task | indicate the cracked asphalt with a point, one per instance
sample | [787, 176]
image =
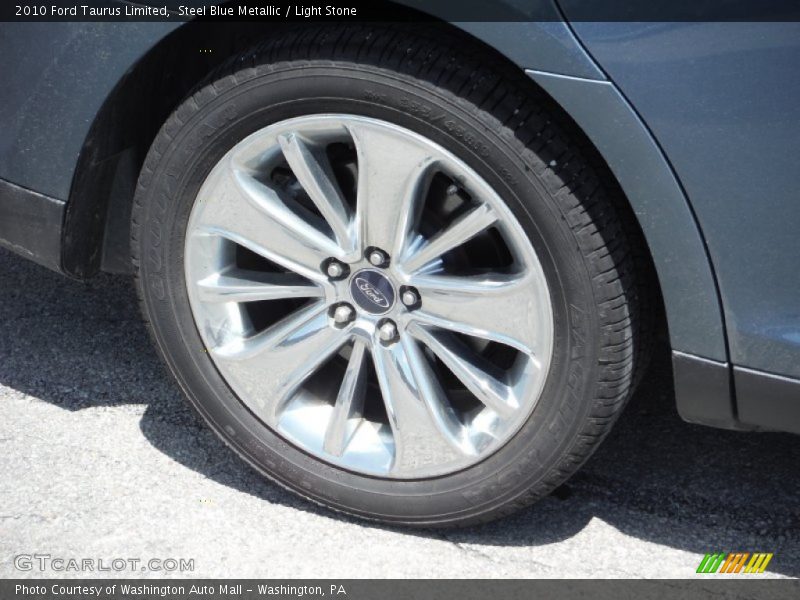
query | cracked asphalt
[101, 458]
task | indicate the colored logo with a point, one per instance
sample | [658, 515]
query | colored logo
[372, 291]
[735, 562]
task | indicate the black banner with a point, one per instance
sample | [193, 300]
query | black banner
[400, 10]
[256, 589]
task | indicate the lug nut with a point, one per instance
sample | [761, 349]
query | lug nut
[343, 314]
[410, 298]
[335, 269]
[377, 258]
[387, 332]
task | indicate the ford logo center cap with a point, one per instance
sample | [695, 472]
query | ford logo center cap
[372, 291]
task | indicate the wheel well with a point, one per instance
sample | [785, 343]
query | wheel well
[98, 211]
[97, 224]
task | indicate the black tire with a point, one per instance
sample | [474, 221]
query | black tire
[495, 120]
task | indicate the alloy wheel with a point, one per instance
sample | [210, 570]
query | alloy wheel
[368, 296]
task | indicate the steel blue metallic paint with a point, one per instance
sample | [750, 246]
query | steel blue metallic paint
[53, 89]
[549, 46]
[723, 101]
[690, 297]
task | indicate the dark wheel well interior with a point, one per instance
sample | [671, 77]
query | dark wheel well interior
[97, 221]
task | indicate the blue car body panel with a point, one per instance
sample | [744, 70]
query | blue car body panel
[53, 90]
[687, 282]
[723, 101]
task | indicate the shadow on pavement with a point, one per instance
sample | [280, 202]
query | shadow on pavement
[79, 345]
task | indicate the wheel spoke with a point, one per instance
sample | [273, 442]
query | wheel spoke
[253, 286]
[314, 174]
[500, 308]
[425, 431]
[253, 215]
[272, 364]
[349, 402]
[477, 378]
[459, 232]
[393, 176]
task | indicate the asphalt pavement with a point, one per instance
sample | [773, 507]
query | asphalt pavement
[101, 458]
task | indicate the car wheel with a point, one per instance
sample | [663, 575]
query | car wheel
[383, 272]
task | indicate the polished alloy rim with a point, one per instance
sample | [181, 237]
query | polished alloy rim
[368, 296]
